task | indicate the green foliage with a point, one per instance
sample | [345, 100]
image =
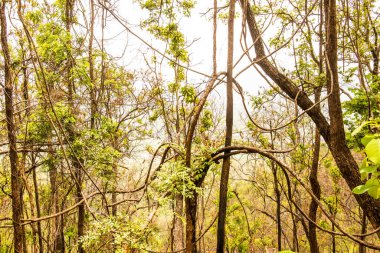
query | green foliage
[100, 158]
[125, 233]
[236, 223]
[188, 92]
[176, 178]
[53, 41]
[370, 167]
[35, 16]
[372, 150]
[39, 129]
[332, 204]
[206, 120]
[335, 174]
[162, 23]
[264, 241]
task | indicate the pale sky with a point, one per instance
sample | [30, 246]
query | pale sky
[198, 27]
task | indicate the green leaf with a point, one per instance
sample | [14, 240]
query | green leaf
[374, 192]
[366, 139]
[373, 150]
[369, 169]
[360, 189]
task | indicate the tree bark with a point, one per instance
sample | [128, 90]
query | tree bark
[228, 139]
[177, 223]
[93, 105]
[362, 248]
[278, 206]
[315, 187]
[16, 179]
[191, 214]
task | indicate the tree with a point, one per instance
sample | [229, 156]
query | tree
[333, 132]
[16, 181]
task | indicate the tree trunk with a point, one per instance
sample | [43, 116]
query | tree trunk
[72, 134]
[16, 179]
[362, 248]
[228, 139]
[278, 206]
[177, 223]
[191, 214]
[313, 207]
[38, 208]
[91, 68]
[315, 187]
[58, 236]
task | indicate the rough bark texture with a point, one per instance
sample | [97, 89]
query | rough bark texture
[191, 214]
[228, 139]
[16, 180]
[178, 235]
[334, 134]
[313, 207]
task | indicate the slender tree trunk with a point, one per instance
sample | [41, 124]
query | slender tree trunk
[337, 134]
[333, 241]
[295, 232]
[114, 200]
[91, 67]
[72, 134]
[58, 236]
[228, 139]
[16, 179]
[38, 208]
[278, 206]
[362, 248]
[313, 178]
[25, 91]
[313, 207]
[315, 187]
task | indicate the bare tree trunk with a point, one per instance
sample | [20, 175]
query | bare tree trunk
[38, 208]
[91, 67]
[278, 206]
[228, 139]
[191, 213]
[313, 207]
[178, 226]
[333, 241]
[362, 248]
[16, 179]
[315, 187]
